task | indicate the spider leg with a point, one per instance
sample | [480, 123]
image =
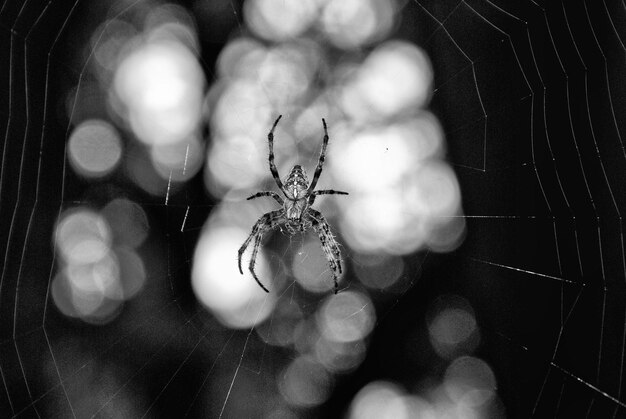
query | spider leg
[329, 244]
[274, 195]
[320, 162]
[267, 222]
[329, 192]
[324, 192]
[273, 169]
[255, 250]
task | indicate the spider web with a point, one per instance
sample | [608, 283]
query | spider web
[531, 100]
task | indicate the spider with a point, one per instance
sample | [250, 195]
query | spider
[296, 213]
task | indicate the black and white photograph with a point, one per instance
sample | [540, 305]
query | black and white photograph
[301, 209]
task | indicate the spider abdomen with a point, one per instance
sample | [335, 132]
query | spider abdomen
[296, 184]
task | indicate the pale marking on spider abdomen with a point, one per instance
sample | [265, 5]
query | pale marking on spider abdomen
[296, 183]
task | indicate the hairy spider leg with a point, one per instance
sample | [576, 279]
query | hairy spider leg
[329, 192]
[273, 194]
[273, 169]
[329, 244]
[324, 192]
[267, 222]
[325, 228]
[255, 250]
[320, 162]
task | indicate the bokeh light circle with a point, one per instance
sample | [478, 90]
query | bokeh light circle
[94, 148]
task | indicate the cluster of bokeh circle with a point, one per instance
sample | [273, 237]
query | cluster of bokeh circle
[307, 60]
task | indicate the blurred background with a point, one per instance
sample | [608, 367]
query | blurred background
[483, 241]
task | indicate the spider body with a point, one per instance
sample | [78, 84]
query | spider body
[296, 184]
[296, 213]
[296, 204]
